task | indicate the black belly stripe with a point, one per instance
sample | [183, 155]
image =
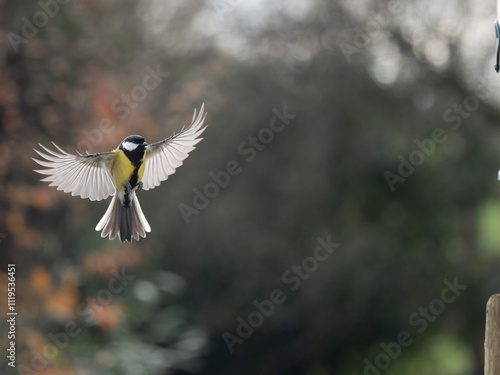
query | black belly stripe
[134, 177]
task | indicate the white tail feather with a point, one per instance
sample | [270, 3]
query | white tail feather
[127, 223]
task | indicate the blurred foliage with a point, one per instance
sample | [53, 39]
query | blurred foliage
[323, 175]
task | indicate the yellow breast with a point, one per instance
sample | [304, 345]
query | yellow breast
[122, 169]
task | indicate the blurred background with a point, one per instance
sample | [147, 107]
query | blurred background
[373, 125]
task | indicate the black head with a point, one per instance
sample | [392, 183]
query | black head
[133, 146]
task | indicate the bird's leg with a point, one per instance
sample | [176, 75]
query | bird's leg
[139, 188]
[128, 187]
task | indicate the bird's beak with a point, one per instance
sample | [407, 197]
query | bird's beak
[144, 144]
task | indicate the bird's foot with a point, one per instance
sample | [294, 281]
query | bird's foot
[128, 187]
[139, 188]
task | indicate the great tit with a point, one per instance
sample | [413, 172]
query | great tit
[123, 172]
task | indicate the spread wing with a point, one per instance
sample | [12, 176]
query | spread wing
[162, 158]
[83, 175]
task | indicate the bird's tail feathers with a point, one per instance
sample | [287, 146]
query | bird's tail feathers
[127, 223]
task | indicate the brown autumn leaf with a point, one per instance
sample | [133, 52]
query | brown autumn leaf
[106, 316]
[40, 280]
[103, 263]
[41, 199]
[22, 235]
[64, 301]
[37, 197]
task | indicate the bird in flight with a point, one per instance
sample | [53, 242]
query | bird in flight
[132, 167]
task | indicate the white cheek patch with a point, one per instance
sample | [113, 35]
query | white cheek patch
[129, 146]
